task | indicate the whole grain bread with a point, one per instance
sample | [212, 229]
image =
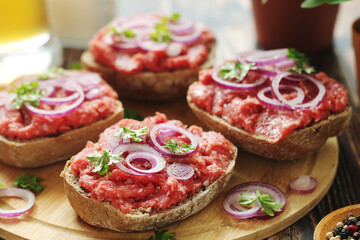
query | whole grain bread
[295, 145]
[46, 150]
[103, 214]
[152, 86]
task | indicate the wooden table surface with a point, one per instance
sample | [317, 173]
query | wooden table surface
[232, 38]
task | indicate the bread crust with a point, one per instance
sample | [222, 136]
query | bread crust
[103, 214]
[293, 146]
[42, 151]
[152, 86]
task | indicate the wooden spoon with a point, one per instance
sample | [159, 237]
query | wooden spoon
[328, 223]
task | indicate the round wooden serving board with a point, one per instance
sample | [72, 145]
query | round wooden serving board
[53, 218]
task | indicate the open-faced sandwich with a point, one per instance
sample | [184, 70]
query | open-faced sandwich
[143, 175]
[150, 57]
[50, 117]
[271, 103]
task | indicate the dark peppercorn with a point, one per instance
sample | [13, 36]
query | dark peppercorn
[344, 233]
[336, 231]
[356, 236]
[358, 218]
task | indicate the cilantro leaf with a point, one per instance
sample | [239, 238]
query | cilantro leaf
[162, 32]
[268, 204]
[103, 161]
[135, 135]
[128, 113]
[27, 93]
[300, 62]
[51, 73]
[235, 70]
[163, 235]
[117, 30]
[175, 148]
[30, 182]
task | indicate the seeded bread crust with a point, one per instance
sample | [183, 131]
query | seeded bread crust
[46, 150]
[294, 146]
[103, 214]
[152, 86]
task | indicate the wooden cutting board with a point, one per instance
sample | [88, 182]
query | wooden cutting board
[53, 218]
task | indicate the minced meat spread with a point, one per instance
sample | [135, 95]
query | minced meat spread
[138, 60]
[243, 110]
[153, 191]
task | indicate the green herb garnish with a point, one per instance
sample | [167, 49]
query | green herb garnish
[231, 70]
[175, 148]
[135, 135]
[30, 182]
[128, 113]
[174, 17]
[119, 31]
[268, 204]
[163, 235]
[75, 65]
[102, 161]
[1, 185]
[51, 73]
[27, 93]
[300, 62]
[162, 32]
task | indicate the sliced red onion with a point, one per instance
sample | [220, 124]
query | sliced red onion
[145, 42]
[181, 26]
[167, 152]
[62, 111]
[274, 103]
[158, 163]
[93, 94]
[268, 57]
[180, 171]
[89, 79]
[128, 44]
[111, 143]
[188, 39]
[122, 167]
[311, 104]
[284, 65]
[60, 100]
[303, 184]
[234, 194]
[234, 85]
[234, 209]
[240, 57]
[27, 195]
[174, 49]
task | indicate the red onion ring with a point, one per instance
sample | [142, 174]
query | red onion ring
[303, 184]
[145, 42]
[62, 111]
[180, 171]
[61, 100]
[236, 86]
[25, 194]
[233, 195]
[274, 103]
[181, 26]
[88, 79]
[268, 57]
[158, 163]
[167, 152]
[188, 39]
[312, 104]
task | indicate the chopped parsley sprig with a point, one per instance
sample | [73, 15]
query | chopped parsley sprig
[231, 70]
[51, 73]
[27, 93]
[163, 235]
[102, 161]
[175, 148]
[30, 182]
[162, 33]
[268, 204]
[135, 135]
[119, 31]
[300, 62]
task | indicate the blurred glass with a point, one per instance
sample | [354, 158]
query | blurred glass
[26, 44]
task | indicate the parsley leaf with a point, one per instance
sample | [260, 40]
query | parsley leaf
[162, 32]
[268, 204]
[300, 61]
[163, 235]
[128, 113]
[135, 135]
[30, 182]
[120, 31]
[235, 70]
[27, 93]
[51, 73]
[174, 17]
[175, 148]
[103, 161]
